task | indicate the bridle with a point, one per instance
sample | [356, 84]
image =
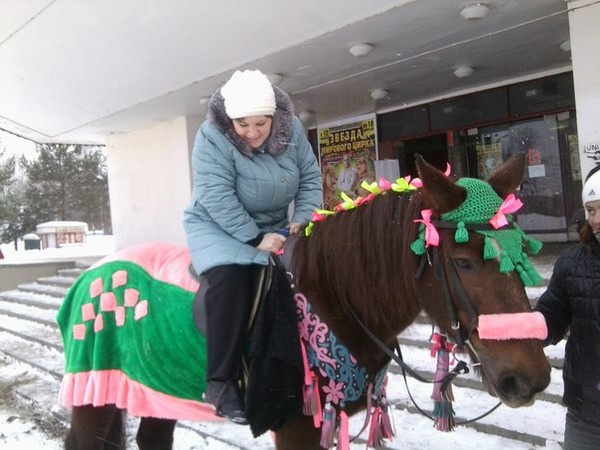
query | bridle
[447, 274]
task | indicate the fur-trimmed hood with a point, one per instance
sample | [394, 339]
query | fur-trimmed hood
[281, 128]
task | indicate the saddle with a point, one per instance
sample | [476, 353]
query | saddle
[272, 361]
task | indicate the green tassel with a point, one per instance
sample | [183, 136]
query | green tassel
[506, 264]
[489, 249]
[418, 246]
[534, 276]
[462, 234]
[524, 275]
[533, 244]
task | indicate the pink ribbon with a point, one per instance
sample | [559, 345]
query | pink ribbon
[439, 342]
[508, 206]
[384, 184]
[432, 236]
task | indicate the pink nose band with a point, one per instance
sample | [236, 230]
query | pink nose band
[531, 325]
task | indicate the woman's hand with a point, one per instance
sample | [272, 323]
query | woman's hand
[294, 228]
[271, 242]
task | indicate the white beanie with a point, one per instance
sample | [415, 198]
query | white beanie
[591, 189]
[248, 93]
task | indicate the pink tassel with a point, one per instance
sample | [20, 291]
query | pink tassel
[443, 412]
[387, 429]
[375, 439]
[310, 395]
[343, 433]
[328, 428]
[381, 428]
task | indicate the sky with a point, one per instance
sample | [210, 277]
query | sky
[20, 425]
[15, 145]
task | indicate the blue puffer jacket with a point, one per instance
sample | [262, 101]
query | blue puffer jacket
[572, 302]
[239, 193]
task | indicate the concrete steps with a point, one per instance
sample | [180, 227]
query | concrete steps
[29, 337]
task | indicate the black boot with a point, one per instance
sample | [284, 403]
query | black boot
[228, 400]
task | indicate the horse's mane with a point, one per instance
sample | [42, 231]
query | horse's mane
[363, 256]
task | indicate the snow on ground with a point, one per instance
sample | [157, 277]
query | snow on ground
[97, 245]
[22, 427]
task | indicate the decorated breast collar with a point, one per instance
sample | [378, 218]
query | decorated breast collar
[324, 352]
[347, 380]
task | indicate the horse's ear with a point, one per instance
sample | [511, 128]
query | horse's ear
[440, 192]
[509, 176]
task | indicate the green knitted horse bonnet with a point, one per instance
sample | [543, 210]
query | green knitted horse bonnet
[481, 205]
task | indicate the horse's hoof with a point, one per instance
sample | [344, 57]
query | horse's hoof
[227, 398]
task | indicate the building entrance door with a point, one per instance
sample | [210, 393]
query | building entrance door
[544, 190]
[434, 150]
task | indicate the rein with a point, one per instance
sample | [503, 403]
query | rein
[396, 355]
[441, 272]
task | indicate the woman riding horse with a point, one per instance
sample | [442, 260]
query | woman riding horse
[363, 272]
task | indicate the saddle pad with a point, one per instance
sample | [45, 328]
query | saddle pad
[130, 340]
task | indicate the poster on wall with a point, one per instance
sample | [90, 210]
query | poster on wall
[574, 156]
[489, 158]
[347, 154]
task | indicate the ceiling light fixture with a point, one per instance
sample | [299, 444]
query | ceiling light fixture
[566, 46]
[474, 11]
[275, 78]
[464, 71]
[379, 94]
[360, 49]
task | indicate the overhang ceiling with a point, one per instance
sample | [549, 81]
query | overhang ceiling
[81, 70]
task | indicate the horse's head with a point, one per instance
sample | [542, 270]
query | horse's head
[479, 268]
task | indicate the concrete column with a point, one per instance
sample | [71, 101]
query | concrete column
[150, 182]
[584, 17]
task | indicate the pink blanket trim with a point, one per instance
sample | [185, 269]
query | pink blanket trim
[113, 387]
[165, 262]
[531, 325]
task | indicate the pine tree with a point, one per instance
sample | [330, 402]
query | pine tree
[64, 182]
[7, 177]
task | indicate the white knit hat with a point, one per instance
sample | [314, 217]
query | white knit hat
[248, 93]
[591, 189]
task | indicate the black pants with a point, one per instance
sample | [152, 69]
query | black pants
[581, 434]
[228, 302]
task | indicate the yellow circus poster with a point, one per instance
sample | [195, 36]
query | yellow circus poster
[347, 153]
[489, 158]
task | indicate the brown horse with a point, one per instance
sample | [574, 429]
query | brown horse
[357, 265]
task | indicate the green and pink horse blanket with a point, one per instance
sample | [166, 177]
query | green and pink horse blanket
[130, 339]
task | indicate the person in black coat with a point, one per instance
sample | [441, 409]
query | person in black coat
[571, 304]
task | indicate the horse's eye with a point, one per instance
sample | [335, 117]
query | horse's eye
[463, 263]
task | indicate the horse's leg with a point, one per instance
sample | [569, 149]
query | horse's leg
[91, 426]
[298, 433]
[155, 434]
[115, 438]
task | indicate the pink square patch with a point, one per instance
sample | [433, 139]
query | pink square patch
[120, 316]
[79, 332]
[108, 302]
[131, 297]
[87, 311]
[98, 323]
[96, 287]
[141, 310]
[119, 278]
